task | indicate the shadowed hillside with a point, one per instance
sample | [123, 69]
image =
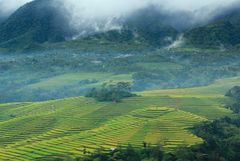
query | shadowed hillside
[38, 21]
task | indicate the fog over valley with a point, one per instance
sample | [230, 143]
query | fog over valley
[119, 80]
[102, 15]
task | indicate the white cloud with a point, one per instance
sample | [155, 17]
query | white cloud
[194, 4]
[101, 14]
[105, 7]
[97, 13]
[9, 6]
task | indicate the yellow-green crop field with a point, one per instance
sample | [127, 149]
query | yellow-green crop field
[68, 127]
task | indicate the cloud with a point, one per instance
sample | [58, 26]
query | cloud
[116, 7]
[9, 6]
[101, 15]
[191, 5]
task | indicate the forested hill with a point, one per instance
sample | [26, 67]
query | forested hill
[39, 22]
[224, 30]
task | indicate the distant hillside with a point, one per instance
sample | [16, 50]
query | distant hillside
[38, 21]
[149, 25]
[224, 30]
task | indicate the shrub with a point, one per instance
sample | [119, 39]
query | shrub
[111, 92]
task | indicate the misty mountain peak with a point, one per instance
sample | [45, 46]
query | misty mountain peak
[37, 21]
[42, 21]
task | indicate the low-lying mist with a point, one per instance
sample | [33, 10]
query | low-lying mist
[107, 14]
[7, 7]
[103, 15]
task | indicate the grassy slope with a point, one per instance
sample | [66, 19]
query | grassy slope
[68, 126]
[76, 83]
[163, 66]
[72, 78]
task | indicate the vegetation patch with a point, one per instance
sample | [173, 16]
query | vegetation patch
[112, 92]
[234, 93]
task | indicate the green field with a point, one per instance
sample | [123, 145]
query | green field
[66, 127]
[74, 78]
[163, 66]
[68, 85]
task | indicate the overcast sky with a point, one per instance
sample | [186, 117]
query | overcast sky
[102, 8]
[101, 14]
[8, 6]
[196, 4]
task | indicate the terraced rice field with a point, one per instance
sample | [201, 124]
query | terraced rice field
[75, 126]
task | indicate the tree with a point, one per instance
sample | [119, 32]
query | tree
[234, 93]
[111, 92]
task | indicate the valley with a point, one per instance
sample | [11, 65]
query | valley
[44, 75]
[119, 80]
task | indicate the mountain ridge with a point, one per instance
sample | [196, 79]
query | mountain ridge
[222, 31]
[39, 22]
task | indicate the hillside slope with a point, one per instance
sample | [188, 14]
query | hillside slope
[74, 126]
[42, 21]
[38, 21]
[149, 25]
[224, 30]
